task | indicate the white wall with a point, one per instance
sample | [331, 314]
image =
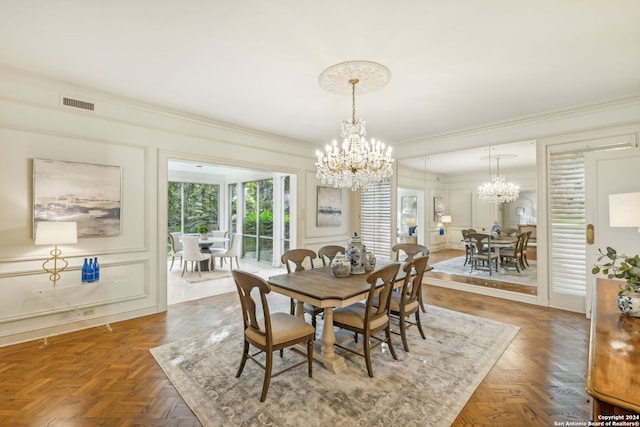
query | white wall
[140, 139]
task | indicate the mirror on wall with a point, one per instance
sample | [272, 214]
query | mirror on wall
[408, 214]
[520, 211]
[458, 174]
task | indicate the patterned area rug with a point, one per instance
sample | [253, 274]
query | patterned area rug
[426, 387]
[456, 266]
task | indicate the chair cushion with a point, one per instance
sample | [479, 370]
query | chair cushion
[284, 327]
[394, 304]
[353, 315]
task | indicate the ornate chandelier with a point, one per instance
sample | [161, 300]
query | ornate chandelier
[498, 190]
[358, 162]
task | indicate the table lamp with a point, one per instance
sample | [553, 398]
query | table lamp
[55, 233]
[446, 220]
[624, 210]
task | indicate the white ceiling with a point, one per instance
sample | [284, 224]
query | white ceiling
[255, 63]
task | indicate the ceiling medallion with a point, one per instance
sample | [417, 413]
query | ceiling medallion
[358, 162]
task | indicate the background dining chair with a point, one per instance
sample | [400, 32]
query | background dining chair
[329, 252]
[297, 259]
[513, 254]
[525, 245]
[268, 332]
[367, 320]
[219, 246]
[406, 251]
[410, 250]
[234, 251]
[191, 253]
[176, 247]
[468, 246]
[405, 303]
[483, 252]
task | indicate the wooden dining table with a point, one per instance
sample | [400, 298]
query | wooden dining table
[498, 243]
[318, 286]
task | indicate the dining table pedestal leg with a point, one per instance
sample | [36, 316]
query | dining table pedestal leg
[332, 361]
[323, 350]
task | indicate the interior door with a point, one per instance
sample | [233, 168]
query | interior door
[609, 172]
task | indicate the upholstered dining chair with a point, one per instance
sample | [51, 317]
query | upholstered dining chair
[367, 320]
[234, 251]
[219, 246]
[267, 331]
[483, 252]
[191, 253]
[410, 250]
[329, 252]
[296, 260]
[176, 247]
[513, 254]
[405, 303]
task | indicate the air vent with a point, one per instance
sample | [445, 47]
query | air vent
[78, 104]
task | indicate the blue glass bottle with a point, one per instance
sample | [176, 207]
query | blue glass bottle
[96, 269]
[85, 271]
[91, 273]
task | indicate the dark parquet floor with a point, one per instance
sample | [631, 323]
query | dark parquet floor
[97, 378]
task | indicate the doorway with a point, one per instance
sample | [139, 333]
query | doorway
[255, 204]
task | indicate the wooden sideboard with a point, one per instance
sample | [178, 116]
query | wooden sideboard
[613, 371]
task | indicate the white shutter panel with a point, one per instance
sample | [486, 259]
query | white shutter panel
[375, 221]
[567, 222]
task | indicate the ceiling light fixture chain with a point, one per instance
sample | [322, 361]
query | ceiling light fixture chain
[358, 162]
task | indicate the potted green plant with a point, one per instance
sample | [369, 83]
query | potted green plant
[204, 231]
[628, 298]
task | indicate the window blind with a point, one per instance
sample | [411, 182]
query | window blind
[375, 218]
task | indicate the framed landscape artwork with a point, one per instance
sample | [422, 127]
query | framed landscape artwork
[86, 193]
[329, 212]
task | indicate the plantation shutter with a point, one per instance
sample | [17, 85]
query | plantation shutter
[375, 220]
[567, 219]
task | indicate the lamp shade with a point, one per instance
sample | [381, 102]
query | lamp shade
[56, 233]
[446, 219]
[624, 210]
[411, 222]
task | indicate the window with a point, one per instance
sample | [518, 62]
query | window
[375, 207]
[286, 212]
[192, 205]
[233, 209]
[258, 220]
